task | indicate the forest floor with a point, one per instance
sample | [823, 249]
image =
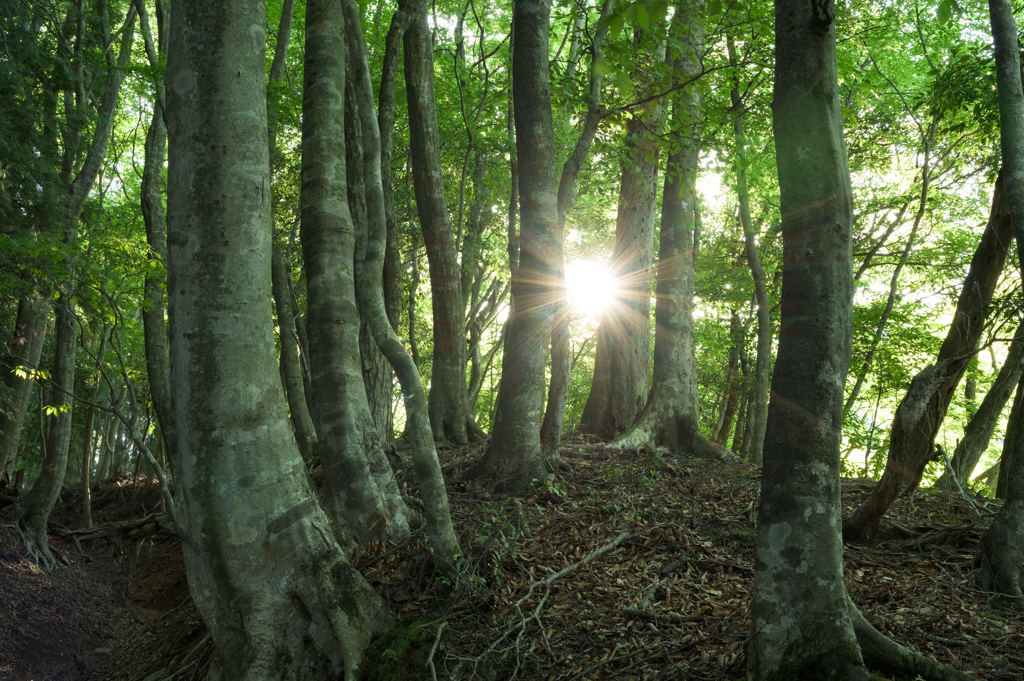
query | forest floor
[635, 566]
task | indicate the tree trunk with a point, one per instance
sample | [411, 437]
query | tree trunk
[1002, 546]
[363, 497]
[764, 327]
[447, 407]
[622, 367]
[440, 532]
[263, 565]
[923, 408]
[561, 356]
[514, 459]
[671, 416]
[32, 509]
[802, 621]
[26, 347]
[305, 433]
[983, 422]
[732, 395]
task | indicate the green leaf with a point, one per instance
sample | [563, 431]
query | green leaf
[600, 67]
[714, 8]
[945, 12]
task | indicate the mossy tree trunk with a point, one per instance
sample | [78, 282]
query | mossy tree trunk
[264, 566]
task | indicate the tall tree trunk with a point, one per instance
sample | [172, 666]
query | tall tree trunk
[732, 396]
[26, 347]
[622, 367]
[671, 416]
[154, 323]
[561, 355]
[764, 326]
[1002, 473]
[439, 529]
[85, 462]
[804, 625]
[363, 497]
[263, 565]
[514, 458]
[447, 406]
[1002, 546]
[983, 422]
[923, 408]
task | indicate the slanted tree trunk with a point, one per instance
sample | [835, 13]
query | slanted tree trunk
[514, 459]
[439, 529]
[447, 406]
[804, 625]
[622, 366]
[731, 398]
[291, 372]
[263, 564]
[25, 348]
[1002, 546]
[923, 408]
[671, 416]
[983, 422]
[362, 497]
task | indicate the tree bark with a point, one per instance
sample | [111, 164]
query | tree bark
[1002, 546]
[305, 433]
[983, 422]
[438, 527]
[923, 408]
[622, 366]
[764, 326]
[671, 415]
[802, 620]
[363, 497]
[263, 565]
[514, 459]
[447, 406]
[26, 347]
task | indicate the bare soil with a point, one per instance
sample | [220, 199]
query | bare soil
[634, 566]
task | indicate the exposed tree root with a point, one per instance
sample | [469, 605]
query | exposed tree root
[885, 655]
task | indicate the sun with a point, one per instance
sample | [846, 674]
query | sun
[590, 286]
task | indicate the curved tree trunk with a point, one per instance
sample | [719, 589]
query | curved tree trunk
[439, 529]
[514, 458]
[920, 414]
[447, 406]
[363, 497]
[305, 434]
[983, 422]
[26, 347]
[1002, 546]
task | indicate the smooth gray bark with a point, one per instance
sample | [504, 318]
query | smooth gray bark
[263, 564]
[447, 407]
[671, 417]
[514, 459]
[440, 531]
[802, 622]
[362, 496]
[291, 372]
[622, 365]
